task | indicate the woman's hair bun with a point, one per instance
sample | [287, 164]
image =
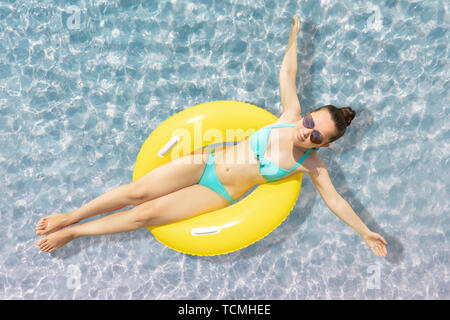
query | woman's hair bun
[349, 114]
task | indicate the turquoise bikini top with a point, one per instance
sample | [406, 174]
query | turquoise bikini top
[258, 143]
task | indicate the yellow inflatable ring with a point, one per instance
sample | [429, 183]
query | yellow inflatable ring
[245, 221]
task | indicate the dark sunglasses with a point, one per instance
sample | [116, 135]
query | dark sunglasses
[315, 137]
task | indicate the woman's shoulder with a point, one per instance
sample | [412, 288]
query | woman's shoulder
[287, 118]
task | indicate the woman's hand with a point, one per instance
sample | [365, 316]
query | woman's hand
[376, 243]
[296, 26]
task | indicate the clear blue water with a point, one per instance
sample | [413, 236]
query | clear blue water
[83, 83]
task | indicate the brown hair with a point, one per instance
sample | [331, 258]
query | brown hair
[342, 118]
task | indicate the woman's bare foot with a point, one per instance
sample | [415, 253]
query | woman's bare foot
[53, 223]
[56, 240]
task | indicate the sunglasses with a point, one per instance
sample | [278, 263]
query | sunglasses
[315, 137]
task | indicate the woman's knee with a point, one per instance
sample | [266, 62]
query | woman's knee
[138, 193]
[145, 213]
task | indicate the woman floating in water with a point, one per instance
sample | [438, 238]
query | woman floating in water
[157, 195]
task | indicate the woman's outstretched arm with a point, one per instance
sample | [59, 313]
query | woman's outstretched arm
[340, 207]
[288, 73]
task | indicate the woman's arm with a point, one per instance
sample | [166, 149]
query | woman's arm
[340, 207]
[288, 71]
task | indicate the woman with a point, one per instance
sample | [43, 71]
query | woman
[283, 148]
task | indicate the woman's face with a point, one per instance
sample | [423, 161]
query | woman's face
[323, 125]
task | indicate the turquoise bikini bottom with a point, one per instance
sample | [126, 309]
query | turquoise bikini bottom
[210, 180]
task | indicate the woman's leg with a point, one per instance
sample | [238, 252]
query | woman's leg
[171, 176]
[181, 204]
